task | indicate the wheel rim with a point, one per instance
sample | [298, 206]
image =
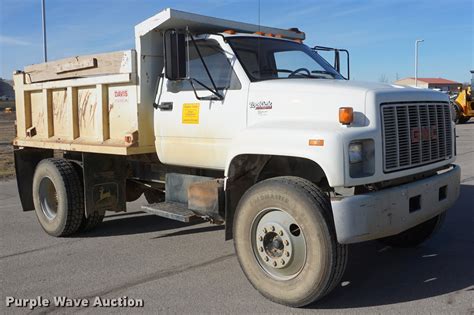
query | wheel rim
[48, 198]
[278, 244]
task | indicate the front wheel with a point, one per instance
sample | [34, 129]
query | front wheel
[285, 241]
[459, 117]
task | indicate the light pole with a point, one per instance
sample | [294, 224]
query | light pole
[43, 10]
[416, 60]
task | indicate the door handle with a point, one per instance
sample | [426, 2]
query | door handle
[164, 106]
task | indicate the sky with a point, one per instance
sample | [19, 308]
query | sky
[380, 34]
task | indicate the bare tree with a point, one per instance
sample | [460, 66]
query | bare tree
[383, 78]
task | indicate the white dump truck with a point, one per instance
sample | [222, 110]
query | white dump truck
[242, 125]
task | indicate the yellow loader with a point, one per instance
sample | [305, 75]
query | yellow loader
[463, 103]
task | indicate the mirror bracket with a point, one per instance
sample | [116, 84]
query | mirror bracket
[337, 60]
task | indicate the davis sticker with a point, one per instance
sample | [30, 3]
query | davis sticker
[190, 113]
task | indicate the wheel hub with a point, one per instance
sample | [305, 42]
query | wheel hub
[48, 198]
[274, 245]
[278, 243]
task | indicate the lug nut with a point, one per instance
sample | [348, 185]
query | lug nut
[265, 230]
[280, 233]
[287, 254]
[274, 264]
[273, 228]
[287, 243]
[282, 261]
[260, 238]
[261, 249]
[266, 258]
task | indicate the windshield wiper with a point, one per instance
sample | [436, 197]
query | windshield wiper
[323, 72]
[298, 75]
[331, 74]
[271, 71]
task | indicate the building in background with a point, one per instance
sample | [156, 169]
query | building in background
[432, 83]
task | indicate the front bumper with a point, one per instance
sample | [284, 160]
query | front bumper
[393, 210]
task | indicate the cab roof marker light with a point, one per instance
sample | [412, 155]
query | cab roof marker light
[296, 30]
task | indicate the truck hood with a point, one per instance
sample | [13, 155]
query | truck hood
[320, 99]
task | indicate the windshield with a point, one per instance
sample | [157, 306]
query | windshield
[268, 59]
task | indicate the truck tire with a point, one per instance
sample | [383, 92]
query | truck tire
[464, 120]
[416, 235]
[459, 116]
[92, 221]
[457, 112]
[285, 241]
[58, 197]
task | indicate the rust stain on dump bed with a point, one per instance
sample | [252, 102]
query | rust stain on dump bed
[59, 104]
[86, 109]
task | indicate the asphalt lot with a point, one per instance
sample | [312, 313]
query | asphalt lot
[178, 268]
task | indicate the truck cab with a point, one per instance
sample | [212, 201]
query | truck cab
[242, 125]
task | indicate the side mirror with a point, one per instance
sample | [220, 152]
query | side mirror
[175, 55]
[337, 58]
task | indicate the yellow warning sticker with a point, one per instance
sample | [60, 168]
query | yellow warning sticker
[190, 113]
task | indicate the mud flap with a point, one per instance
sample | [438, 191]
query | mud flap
[104, 182]
[26, 160]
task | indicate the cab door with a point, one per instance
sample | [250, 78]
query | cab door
[190, 130]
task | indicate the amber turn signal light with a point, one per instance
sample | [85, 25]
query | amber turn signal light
[316, 142]
[346, 115]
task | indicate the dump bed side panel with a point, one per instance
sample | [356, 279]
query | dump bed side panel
[78, 111]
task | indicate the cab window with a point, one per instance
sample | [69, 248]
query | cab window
[218, 64]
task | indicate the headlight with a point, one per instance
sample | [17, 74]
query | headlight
[355, 152]
[361, 158]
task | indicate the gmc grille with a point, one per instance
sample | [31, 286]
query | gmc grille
[415, 134]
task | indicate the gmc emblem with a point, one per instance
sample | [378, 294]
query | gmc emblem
[424, 134]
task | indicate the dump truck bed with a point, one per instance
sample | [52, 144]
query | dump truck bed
[85, 103]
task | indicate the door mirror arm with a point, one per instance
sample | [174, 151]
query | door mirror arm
[337, 60]
[214, 90]
[216, 97]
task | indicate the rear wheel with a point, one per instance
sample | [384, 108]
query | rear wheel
[416, 235]
[92, 221]
[285, 241]
[58, 197]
